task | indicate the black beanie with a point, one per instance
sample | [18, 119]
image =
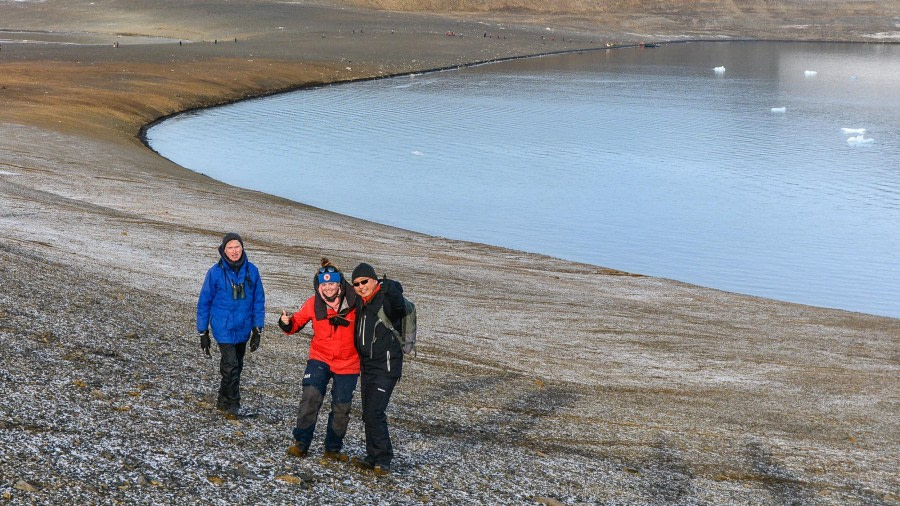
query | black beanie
[231, 236]
[363, 270]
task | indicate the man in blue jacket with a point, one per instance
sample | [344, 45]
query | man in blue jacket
[232, 303]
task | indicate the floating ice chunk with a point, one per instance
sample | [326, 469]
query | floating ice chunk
[854, 77]
[859, 141]
[849, 131]
[810, 73]
[779, 110]
[418, 153]
[719, 70]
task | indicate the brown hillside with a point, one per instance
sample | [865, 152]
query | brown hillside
[793, 19]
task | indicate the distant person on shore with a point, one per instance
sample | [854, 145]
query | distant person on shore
[332, 358]
[381, 360]
[232, 303]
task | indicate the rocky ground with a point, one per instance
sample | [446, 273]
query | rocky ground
[537, 380]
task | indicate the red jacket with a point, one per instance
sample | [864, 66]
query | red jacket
[330, 343]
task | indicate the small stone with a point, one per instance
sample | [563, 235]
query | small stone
[25, 486]
[287, 478]
[548, 501]
[215, 480]
[242, 471]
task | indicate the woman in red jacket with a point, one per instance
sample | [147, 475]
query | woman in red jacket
[332, 357]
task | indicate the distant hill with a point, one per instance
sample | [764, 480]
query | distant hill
[793, 19]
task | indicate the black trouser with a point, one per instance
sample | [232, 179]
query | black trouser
[375, 392]
[231, 363]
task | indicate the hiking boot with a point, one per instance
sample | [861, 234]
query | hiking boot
[362, 463]
[382, 469]
[232, 413]
[337, 456]
[297, 451]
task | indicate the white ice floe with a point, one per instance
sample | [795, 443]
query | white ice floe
[779, 110]
[719, 70]
[859, 141]
[810, 73]
[848, 131]
[418, 153]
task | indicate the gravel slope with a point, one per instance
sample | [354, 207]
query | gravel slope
[537, 380]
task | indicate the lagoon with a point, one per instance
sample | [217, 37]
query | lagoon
[639, 159]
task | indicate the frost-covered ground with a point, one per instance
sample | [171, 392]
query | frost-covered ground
[537, 380]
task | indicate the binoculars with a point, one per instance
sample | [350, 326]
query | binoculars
[237, 291]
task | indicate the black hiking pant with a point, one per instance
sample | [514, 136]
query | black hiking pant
[231, 363]
[375, 393]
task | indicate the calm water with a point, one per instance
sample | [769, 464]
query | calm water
[645, 160]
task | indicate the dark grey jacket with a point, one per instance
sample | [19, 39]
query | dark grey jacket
[379, 350]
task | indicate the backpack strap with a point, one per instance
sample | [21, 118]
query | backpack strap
[387, 323]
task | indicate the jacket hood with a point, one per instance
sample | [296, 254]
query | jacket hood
[234, 265]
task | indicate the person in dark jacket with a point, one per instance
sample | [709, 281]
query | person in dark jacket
[381, 361]
[232, 302]
[332, 359]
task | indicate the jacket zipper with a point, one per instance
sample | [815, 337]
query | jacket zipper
[389, 360]
[362, 332]
[374, 338]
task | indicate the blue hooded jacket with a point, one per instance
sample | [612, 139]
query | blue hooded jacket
[231, 303]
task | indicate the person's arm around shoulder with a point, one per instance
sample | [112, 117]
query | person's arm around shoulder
[393, 299]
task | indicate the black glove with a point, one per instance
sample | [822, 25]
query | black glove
[254, 339]
[204, 342]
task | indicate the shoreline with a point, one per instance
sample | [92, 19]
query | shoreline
[531, 370]
[142, 136]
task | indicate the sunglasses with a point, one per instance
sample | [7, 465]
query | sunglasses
[329, 268]
[363, 282]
